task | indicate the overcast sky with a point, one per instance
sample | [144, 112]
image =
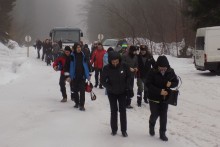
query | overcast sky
[38, 17]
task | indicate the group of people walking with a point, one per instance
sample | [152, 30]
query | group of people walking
[116, 73]
[50, 51]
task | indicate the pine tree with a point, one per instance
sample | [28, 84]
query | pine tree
[6, 7]
[205, 13]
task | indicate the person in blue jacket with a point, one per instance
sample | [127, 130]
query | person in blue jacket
[78, 73]
[105, 58]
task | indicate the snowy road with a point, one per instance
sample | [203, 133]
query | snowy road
[32, 116]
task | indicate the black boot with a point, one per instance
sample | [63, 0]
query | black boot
[76, 106]
[100, 86]
[139, 98]
[163, 136]
[114, 133]
[96, 85]
[124, 134]
[64, 100]
[128, 103]
[82, 108]
[151, 131]
[145, 97]
[151, 128]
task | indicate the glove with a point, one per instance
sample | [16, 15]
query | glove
[55, 68]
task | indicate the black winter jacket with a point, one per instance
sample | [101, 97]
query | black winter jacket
[116, 79]
[144, 68]
[156, 82]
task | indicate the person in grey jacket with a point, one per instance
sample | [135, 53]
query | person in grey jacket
[130, 59]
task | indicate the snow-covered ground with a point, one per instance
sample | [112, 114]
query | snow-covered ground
[31, 114]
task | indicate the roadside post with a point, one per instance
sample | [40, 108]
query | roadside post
[28, 40]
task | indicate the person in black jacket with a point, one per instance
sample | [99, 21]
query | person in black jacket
[115, 78]
[159, 80]
[39, 45]
[145, 63]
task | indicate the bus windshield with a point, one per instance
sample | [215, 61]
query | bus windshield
[66, 36]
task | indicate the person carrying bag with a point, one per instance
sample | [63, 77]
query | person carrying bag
[160, 79]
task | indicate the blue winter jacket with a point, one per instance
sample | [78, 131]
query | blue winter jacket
[73, 67]
[105, 59]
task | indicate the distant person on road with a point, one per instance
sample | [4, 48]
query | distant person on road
[158, 81]
[105, 58]
[97, 60]
[56, 50]
[48, 51]
[38, 45]
[94, 47]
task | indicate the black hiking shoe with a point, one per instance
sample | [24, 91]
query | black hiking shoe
[124, 134]
[76, 106]
[151, 131]
[129, 107]
[64, 100]
[114, 133]
[82, 108]
[100, 86]
[163, 136]
[146, 100]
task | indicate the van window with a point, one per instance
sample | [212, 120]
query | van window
[200, 42]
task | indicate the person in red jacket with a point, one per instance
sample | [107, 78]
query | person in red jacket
[97, 60]
[59, 65]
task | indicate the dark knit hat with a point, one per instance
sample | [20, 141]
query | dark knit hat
[113, 55]
[162, 61]
[67, 48]
[143, 47]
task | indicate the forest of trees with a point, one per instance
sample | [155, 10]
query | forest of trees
[158, 20]
[204, 13]
[6, 6]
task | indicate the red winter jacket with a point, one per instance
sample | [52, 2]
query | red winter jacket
[62, 60]
[97, 58]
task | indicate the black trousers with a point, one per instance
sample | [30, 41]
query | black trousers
[130, 93]
[43, 55]
[98, 73]
[114, 100]
[38, 53]
[62, 84]
[158, 110]
[78, 87]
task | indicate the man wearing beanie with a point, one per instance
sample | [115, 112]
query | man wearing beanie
[130, 59]
[78, 71]
[145, 63]
[160, 78]
[59, 65]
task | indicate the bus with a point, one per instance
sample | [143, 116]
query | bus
[68, 36]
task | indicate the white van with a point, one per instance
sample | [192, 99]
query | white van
[207, 49]
[116, 44]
